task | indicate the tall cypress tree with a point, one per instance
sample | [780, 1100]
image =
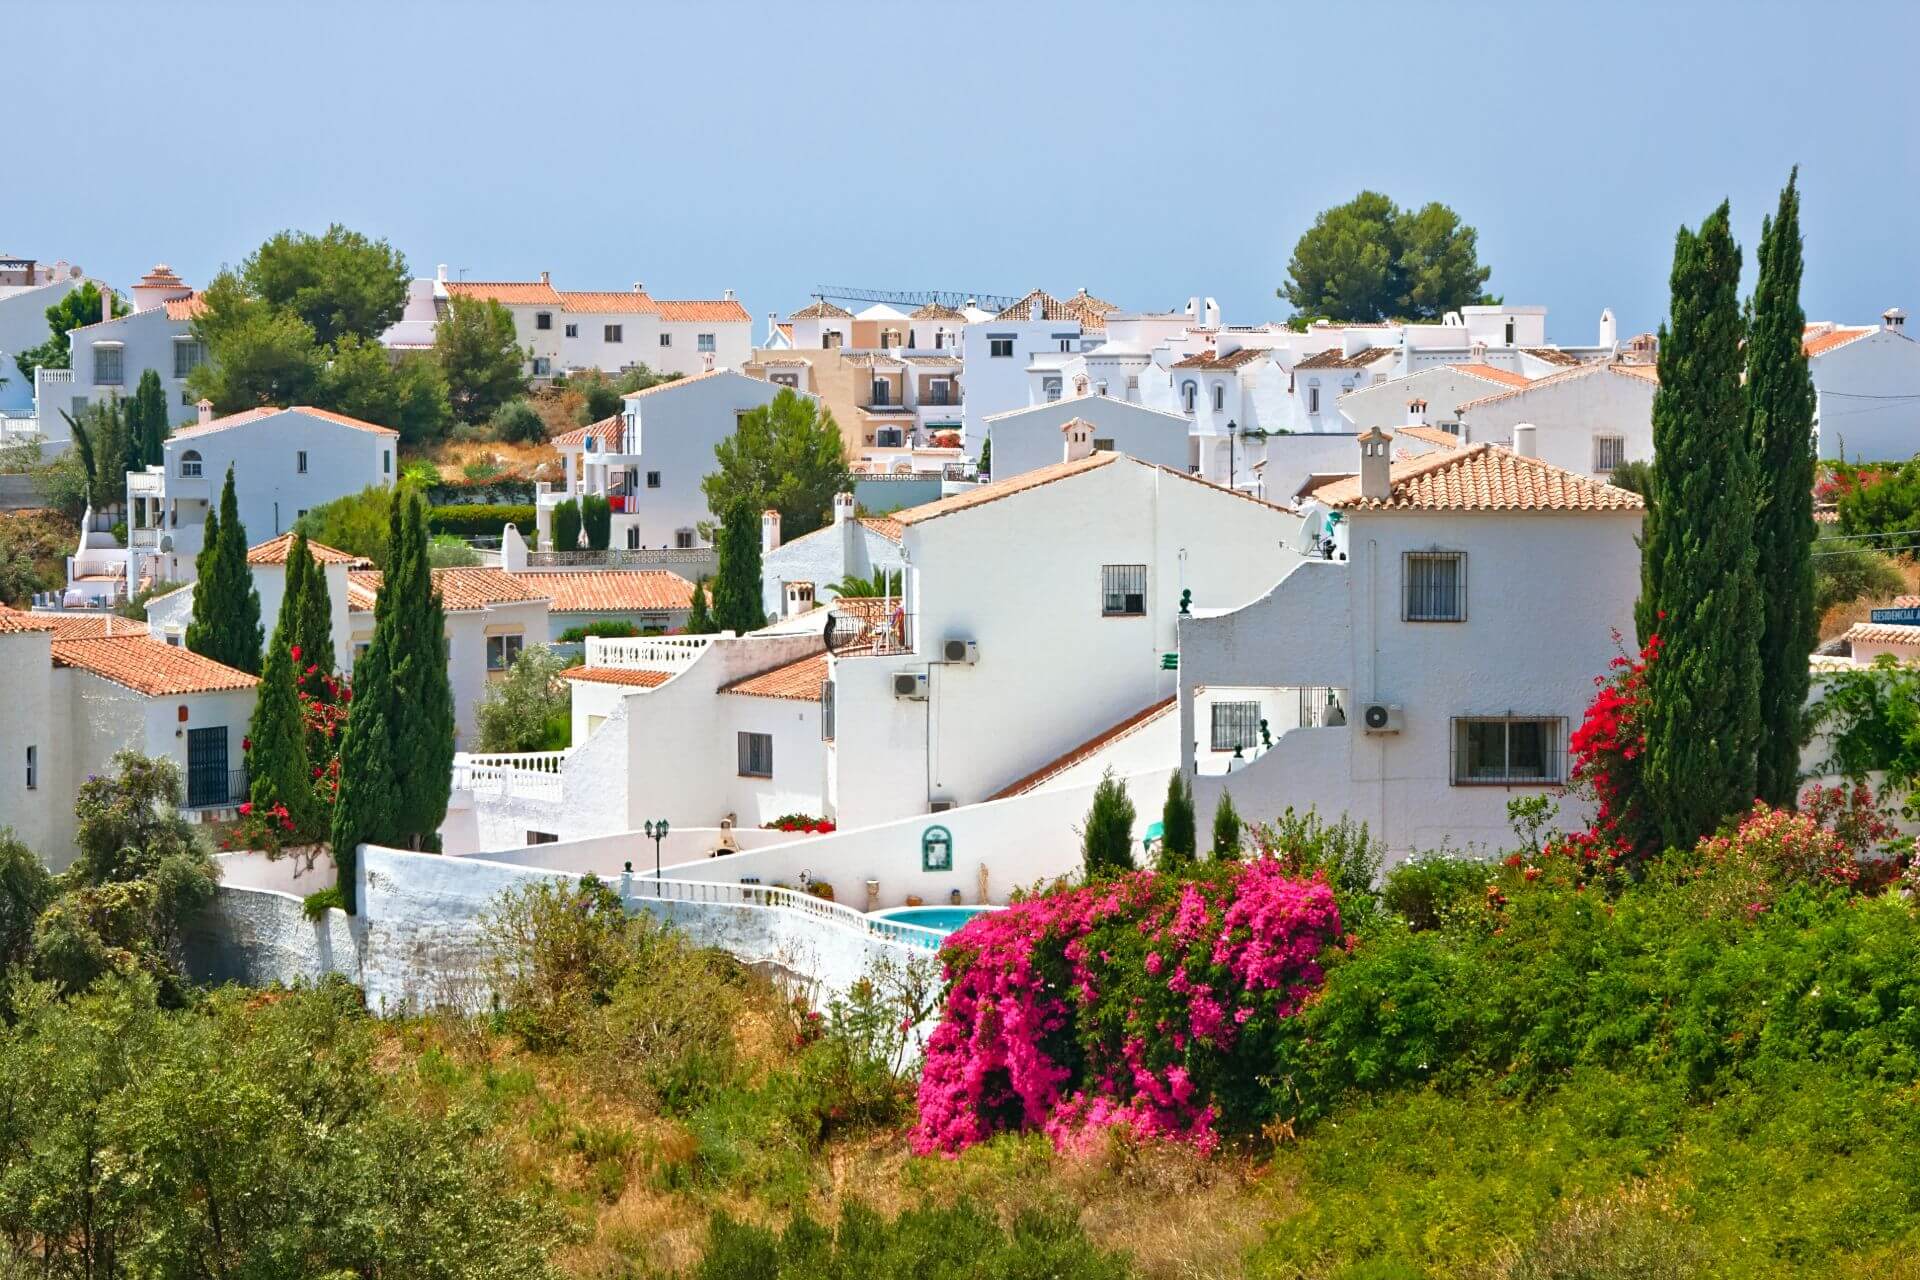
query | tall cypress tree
[147, 421]
[699, 621]
[1697, 581]
[736, 583]
[1780, 427]
[226, 608]
[420, 717]
[277, 761]
[367, 809]
[313, 630]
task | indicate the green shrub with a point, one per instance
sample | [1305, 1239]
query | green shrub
[445, 551]
[1608, 1240]
[518, 422]
[566, 525]
[596, 517]
[518, 713]
[605, 628]
[478, 520]
[316, 904]
[1226, 829]
[1106, 841]
[1426, 889]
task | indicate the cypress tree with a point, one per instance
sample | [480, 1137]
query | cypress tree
[596, 517]
[277, 761]
[313, 631]
[1177, 835]
[566, 525]
[1106, 842]
[226, 608]
[1780, 427]
[699, 621]
[736, 584]
[1697, 582]
[1226, 830]
[147, 421]
[420, 716]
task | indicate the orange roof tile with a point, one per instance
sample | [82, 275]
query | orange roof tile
[608, 432]
[1431, 435]
[642, 679]
[672, 383]
[1481, 477]
[1883, 633]
[508, 292]
[190, 307]
[607, 301]
[232, 420]
[1825, 342]
[148, 666]
[935, 311]
[1060, 764]
[701, 310]
[611, 590]
[93, 626]
[461, 589]
[1488, 373]
[275, 551]
[18, 622]
[821, 309]
[1332, 359]
[1552, 355]
[1090, 311]
[796, 681]
[886, 526]
[1232, 360]
[1002, 489]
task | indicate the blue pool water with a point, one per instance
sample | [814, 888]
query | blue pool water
[942, 919]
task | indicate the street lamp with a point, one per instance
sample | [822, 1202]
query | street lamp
[1232, 427]
[656, 831]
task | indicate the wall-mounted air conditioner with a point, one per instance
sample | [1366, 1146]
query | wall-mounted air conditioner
[1382, 717]
[910, 686]
[960, 651]
[940, 804]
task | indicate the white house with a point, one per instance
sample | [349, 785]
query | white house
[110, 355]
[1442, 388]
[998, 354]
[798, 575]
[169, 614]
[612, 330]
[284, 461]
[1590, 418]
[1030, 438]
[1426, 662]
[80, 691]
[1866, 383]
[27, 289]
[491, 617]
[648, 461]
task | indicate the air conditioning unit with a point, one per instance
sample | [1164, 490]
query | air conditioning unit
[1382, 717]
[962, 651]
[910, 686]
[941, 805]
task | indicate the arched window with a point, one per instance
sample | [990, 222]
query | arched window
[1219, 398]
[1188, 390]
[190, 463]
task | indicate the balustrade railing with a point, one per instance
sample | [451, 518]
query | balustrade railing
[646, 653]
[534, 775]
[640, 889]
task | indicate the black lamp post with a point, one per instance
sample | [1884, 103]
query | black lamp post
[657, 831]
[1232, 427]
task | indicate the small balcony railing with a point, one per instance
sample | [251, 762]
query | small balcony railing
[216, 788]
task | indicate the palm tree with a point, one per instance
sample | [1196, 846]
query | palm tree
[882, 583]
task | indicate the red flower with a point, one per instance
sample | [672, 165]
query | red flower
[246, 744]
[296, 653]
[246, 809]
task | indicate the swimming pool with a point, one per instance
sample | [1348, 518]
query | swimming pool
[943, 920]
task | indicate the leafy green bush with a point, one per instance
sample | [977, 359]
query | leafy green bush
[444, 551]
[519, 713]
[316, 904]
[596, 517]
[518, 422]
[606, 628]
[479, 520]
[1425, 890]
[566, 525]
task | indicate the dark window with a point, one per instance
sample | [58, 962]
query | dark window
[703, 342]
[543, 319]
[1436, 586]
[1236, 726]
[683, 538]
[653, 479]
[573, 331]
[1123, 590]
[1609, 453]
[666, 339]
[502, 650]
[826, 711]
[189, 464]
[188, 355]
[613, 333]
[1000, 348]
[386, 464]
[208, 785]
[1313, 399]
[542, 366]
[33, 763]
[542, 837]
[108, 365]
[1103, 444]
[756, 755]
[300, 462]
[1506, 749]
[1219, 397]
[1509, 333]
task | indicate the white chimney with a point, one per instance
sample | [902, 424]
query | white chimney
[842, 508]
[799, 598]
[440, 273]
[1525, 440]
[1417, 412]
[1895, 319]
[727, 295]
[1376, 465]
[545, 279]
[205, 406]
[1038, 311]
[1079, 436]
[1212, 314]
[513, 550]
[1478, 353]
[1609, 332]
[769, 531]
[637, 286]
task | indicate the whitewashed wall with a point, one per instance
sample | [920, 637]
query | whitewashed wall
[1864, 395]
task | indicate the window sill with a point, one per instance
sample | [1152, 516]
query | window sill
[1507, 784]
[1455, 621]
[1141, 614]
[763, 777]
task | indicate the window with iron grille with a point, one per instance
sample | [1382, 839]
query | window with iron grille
[756, 755]
[1609, 453]
[1236, 726]
[1508, 749]
[1103, 444]
[108, 362]
[188, 355]
[542, 837]
[1436, 586]
[826, 711]
[1123, 590]
[543, 319]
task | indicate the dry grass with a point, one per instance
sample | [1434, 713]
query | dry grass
[531, 461]
[47, 537]
[1840, 617]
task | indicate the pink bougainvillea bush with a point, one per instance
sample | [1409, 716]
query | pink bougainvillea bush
[1147, 1002]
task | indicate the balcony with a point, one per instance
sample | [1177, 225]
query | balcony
[647, 653]
[870, 627]
[211, 788]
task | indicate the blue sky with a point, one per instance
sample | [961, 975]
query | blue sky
[1145, 151]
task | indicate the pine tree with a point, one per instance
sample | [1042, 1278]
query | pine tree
[1780, 428]
[1177, 835]
[1697, 581]
[226, 608]
[278, 768]
[736, 585]
[699, 621]
[1226, 830]
[1106, 842]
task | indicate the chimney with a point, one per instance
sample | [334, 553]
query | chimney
[513, 550]
[1609, 332]
[1079, 436]
[726, 295]
[706, 363]
[545, 279]
[205, 406]
[637, 286]
[1212, 314]
[842, 508]
[1376, 465]
[1895, 319]
[1038, 311]
[1524, 440]
[1478, 353]
[440, 273]
[1417, 412]
[769, 531]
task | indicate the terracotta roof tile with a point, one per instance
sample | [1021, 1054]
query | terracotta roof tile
[627, 302]
[508, 292]
[148, 666]
[1090, 311]
[1552, 355]
[698, 310]
[671, 384]
[461, 589]
[1232, 360]
[1332, 359]
[1488, 373]
[796, 681]
[886, 526]
[936, 311]
[190, 307]
[640, 679]
[232, 420]
[18, 622]
[608, 431]
[93, 626]
[1902, 602]
[1643, 372]
[821, 309]
[1060, 764]
[1883, 633]
[1481, 477]
[275, 551]
[611, 590]
[1430, 435]
[1822, 343]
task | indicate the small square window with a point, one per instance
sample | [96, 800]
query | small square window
[188, 355]
[653, 479]
[1436, 583]
[704, 342]
[683, 539]
[1000, 348]
[756, 755]
[666, 339]
[542, 366]
[613, 333]
[502, 651]
[1609, 454]
[543, 320]
[109, 364]
[1123, 590]
[573, 331]
[1103, 444]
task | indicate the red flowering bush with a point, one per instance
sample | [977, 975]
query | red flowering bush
[323, 712]
[1146, 1002]
[800, 822]
[1828, 842]
[1609, 766]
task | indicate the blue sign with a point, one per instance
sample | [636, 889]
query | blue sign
[1909, 617]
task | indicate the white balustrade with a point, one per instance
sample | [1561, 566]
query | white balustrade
[913, 936]
[533, 775]
[646, 653]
